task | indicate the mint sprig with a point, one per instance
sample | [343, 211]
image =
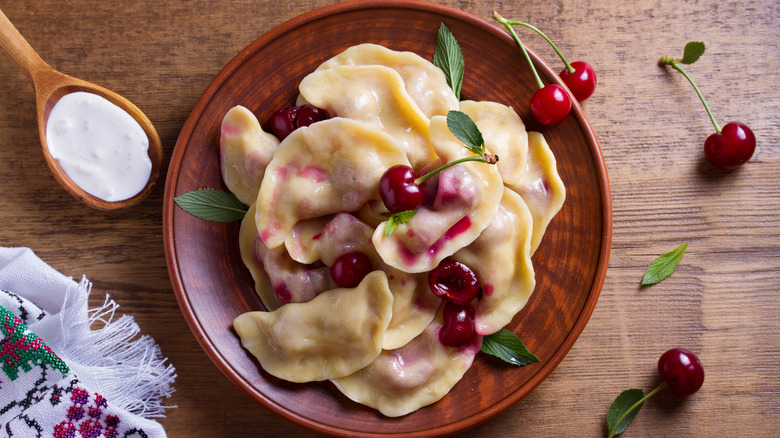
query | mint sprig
[623, 410]
[462, 127]
[449, 58]
[466, 130]
[397, 219]
[692, 51]
[506, 346]
[625, 407]
[663, 266]
[212, 205]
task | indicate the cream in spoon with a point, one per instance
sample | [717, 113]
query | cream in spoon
[99, 145]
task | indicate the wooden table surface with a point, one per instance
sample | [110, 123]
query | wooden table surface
[723, 302]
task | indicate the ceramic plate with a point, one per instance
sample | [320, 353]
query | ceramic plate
[213, 286]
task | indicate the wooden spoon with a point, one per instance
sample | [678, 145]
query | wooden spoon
[50, 85]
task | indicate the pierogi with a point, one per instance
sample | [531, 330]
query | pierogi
[314, 198]
[424, 82]
[245, 151]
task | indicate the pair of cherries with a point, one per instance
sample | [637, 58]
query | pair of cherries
[286, 120]
[458, 286]
[552, 103]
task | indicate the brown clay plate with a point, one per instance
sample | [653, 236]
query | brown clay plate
[212, 286]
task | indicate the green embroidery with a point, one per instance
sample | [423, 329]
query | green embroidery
[21, 349]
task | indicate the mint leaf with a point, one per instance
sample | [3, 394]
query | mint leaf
[449, 58]
[212, 205]
[466, 131]
[620, 407]
[663, 266]
[506, 346]
[693, 50]
[397, 219]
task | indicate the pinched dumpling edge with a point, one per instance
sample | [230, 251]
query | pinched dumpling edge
[452, 364]
[284, 341]
[423, 81]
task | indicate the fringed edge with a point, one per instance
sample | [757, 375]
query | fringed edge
[128, 369]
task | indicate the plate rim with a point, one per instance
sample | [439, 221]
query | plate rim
[189, 313]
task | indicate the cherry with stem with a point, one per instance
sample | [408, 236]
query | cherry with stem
[551, 104]
[729, 147]
[681, 372]
[579, 76]
[400, 189]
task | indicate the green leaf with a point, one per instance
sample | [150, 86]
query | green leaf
[506, 346]
[663, 266]
[449, 58]
[466, 130]
[212, 205]
[620, 406]
[693, 50]
[397, 219]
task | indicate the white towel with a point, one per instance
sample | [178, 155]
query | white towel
[67, 371]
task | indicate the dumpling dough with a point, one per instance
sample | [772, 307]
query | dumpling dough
[501, 259]
[248, 244]
[540, 186]
[278, 278]
[374, 95]
[467, 199]
[326, 239]
[418, 374]
[325, 168]
[425, 83]
[504, 134]
[332, 336]
[244, 151]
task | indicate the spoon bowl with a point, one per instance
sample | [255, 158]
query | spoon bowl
[50, 86]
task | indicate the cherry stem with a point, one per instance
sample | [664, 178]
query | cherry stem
[569, 68]
[676, 65]
[511, 31]
[421, 179]
[634, 407]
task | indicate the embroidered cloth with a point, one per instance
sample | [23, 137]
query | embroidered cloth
[67, 371]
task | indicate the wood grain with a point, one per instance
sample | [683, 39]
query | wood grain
[722, 302]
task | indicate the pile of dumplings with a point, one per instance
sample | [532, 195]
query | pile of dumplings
[314, 197]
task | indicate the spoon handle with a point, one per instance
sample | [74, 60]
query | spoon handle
[14, 43]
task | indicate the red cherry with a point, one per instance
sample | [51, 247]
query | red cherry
[349, 269]
[732, 147]
[310, 114]
[681, 370]
[458, 329]
[454, 281]
[550, 105]
[582, 81]
[283, 122]
[398, 190]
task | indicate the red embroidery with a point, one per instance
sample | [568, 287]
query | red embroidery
[87, 417]
[21, 349]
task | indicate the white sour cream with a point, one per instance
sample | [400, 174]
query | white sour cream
[100, 146]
